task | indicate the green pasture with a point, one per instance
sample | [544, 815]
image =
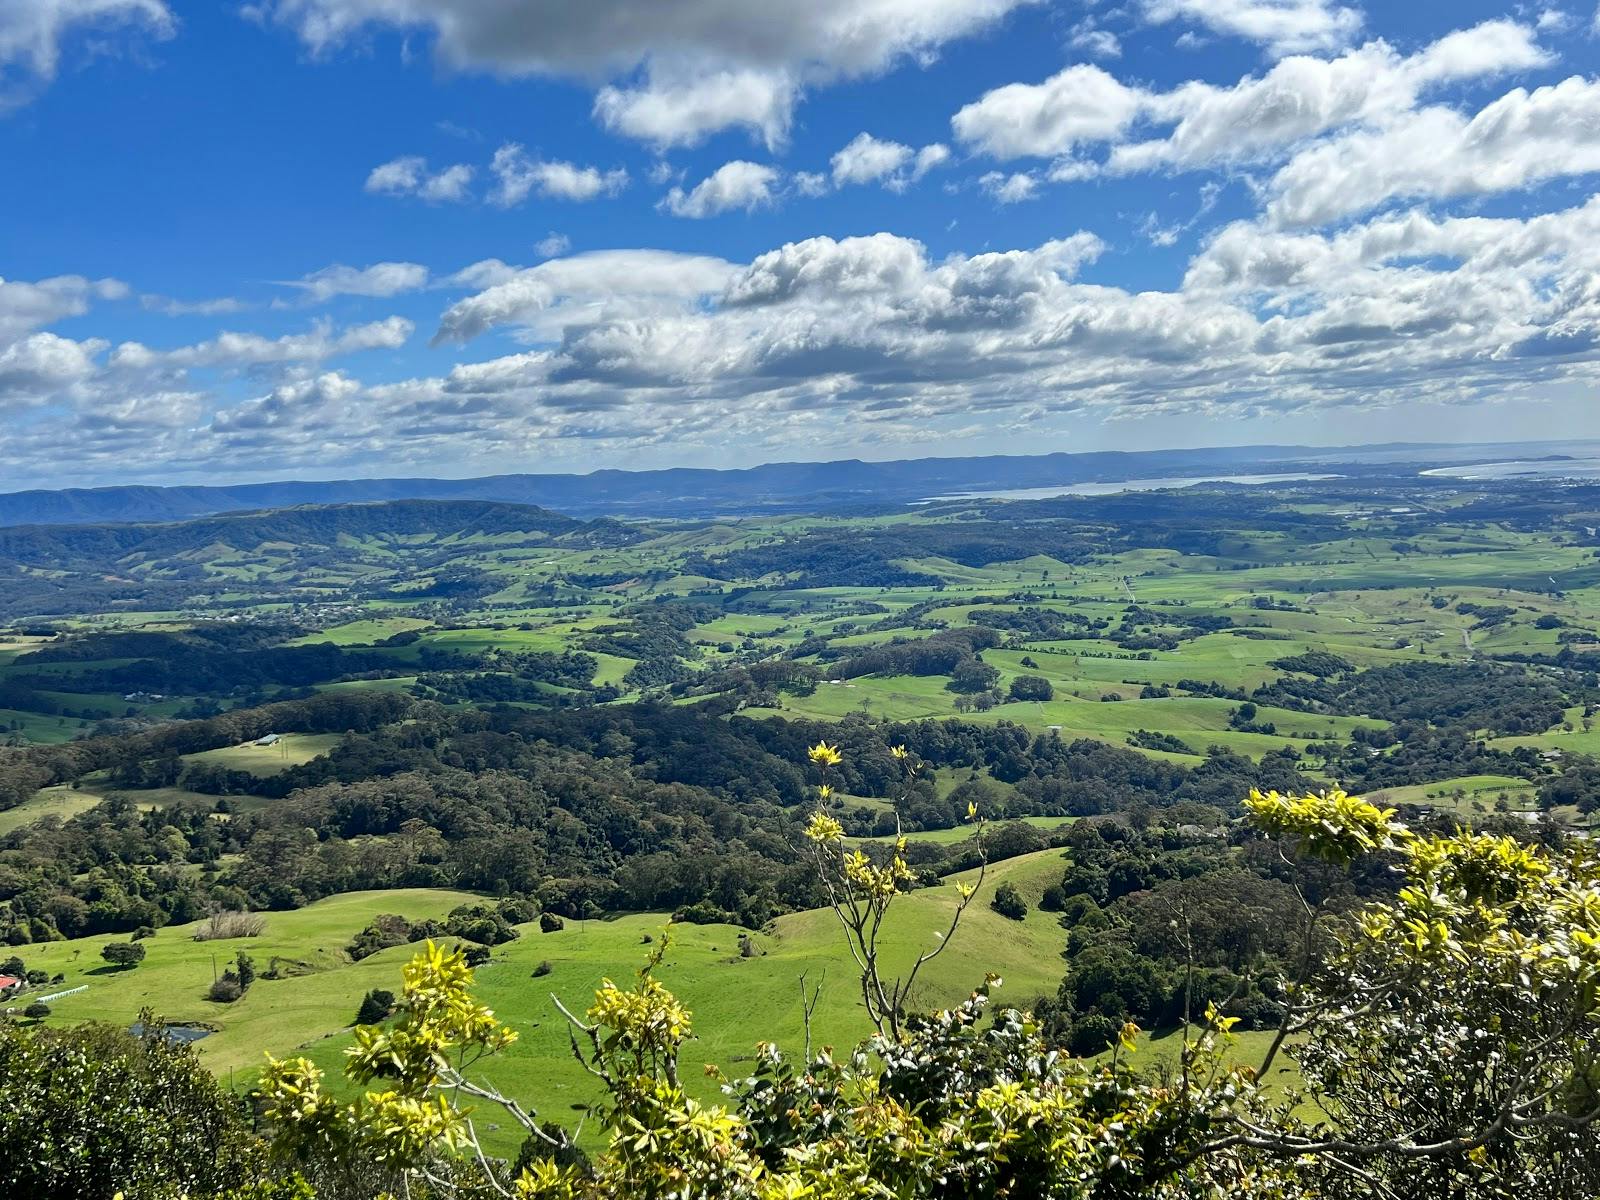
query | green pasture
[736, 1001]
[290, 750]
[276, 1015]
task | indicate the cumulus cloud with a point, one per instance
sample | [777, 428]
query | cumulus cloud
[553, 245]
[733, 185]
[42, 364]
[410, 176]
[867, 159]
[1203, 125]
[1094, 41]
[682, 108]
[677, 72]
[626, 348]
[380, 280]
[601, 283]
[32, 33]
[26, 306]
[1281, 26]
[1009, 189]
[1521, 139]
[244, 351]
[518, 176]
[1081, 104]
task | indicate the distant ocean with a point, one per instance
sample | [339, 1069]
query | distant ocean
[1551, 468]
[1125, 485]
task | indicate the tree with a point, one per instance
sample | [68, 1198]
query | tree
[122, 954]
[1008, 902]
[1032, 687]
[37, 1011]
[93, 1111]
[972, 675]
[376, 1006]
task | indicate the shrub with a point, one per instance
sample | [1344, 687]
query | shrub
[478, 955]
[144, 931]
[376, 1005]
[1008, 902]
[223, 926]
[385, 930]
[480, 923]
[543, 969]
[122, 954]
[518, 912]
[37, 1011]
[226, 989]
[549, 922]
[92, 1111]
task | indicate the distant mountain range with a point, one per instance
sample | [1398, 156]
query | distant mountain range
[773, 487]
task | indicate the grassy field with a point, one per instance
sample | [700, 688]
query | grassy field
[960, 833]
[737, 1001]
[290, 750]
[61, 801]
[276, 1014]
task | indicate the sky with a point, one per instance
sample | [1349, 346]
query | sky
[337, 238]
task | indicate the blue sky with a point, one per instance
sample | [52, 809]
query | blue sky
[321, 238]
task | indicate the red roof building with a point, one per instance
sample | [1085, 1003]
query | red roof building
[7, 982]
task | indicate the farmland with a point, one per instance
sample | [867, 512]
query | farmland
[449, 714]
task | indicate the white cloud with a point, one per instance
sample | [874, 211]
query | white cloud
[1260, 119]
[733, 185]
[682, 110]
[409, 176]
[451, 184]
[553, 245]
[678, 71]
[1081, 104]
[485, 273]
[544, 298]
[518, 176]
[1521, 139]
[42, 364]
[243, 351]
[1281, 26]
[168, 306]
[380, 279]
[1302, 97]
[868, 159]
[32, 33]
[1099, 43]
[627, 349]
[26, 306]
[810, 183]
[1009, 189]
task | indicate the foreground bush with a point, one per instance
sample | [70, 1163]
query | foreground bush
[93, 1111]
